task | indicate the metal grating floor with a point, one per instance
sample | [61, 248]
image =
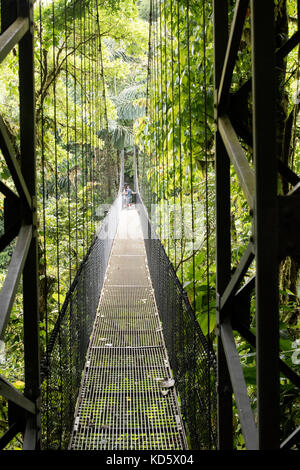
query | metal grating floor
[123, 403]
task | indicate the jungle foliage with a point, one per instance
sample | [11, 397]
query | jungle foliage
[176, 157]
[87, 94]
[176, 167]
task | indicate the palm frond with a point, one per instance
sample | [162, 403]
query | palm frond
[118, 52]
[129, 103]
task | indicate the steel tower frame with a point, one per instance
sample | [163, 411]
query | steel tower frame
[20, 220]
[275, 226]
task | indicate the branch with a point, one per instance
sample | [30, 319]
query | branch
[52, 76]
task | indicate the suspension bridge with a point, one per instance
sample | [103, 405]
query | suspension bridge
[115, 353]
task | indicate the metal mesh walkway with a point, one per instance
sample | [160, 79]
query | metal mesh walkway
[127, 398]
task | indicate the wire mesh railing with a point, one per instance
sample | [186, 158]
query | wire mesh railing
[123, 404]
[192, 359]
[65, 356]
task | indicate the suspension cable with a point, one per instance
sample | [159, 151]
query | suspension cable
[191, 148]
[57, 217]
[179, 140]
[148, 104]
[44, 196]
[173, 138]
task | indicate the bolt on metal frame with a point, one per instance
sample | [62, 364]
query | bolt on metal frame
[273, 236]
[20, 213]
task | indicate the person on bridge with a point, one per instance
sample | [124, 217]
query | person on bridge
[124, 196]
[129, 196]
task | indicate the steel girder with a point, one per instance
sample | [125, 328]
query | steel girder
[275, 227]
[20, 213]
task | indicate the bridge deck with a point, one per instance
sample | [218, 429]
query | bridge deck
[123, 403]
